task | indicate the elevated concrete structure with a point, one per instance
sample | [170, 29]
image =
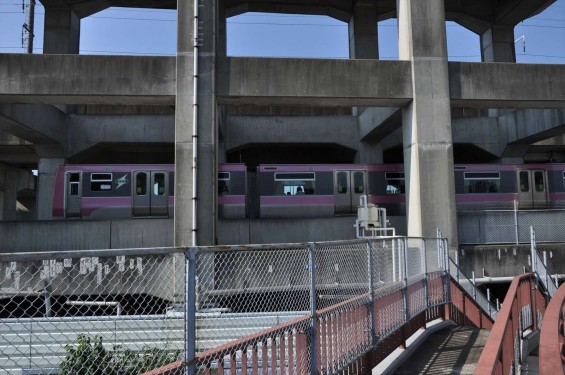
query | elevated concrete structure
[68, 108]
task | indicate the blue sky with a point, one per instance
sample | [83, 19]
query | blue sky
[153, 32]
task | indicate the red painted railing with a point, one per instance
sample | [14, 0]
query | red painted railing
[344, 332]
[519, 312]
[551, 350]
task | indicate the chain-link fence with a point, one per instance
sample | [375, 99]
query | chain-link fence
[296, 308]
[510, 226]
[95, 312]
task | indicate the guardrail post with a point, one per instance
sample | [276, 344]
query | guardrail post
[190, 311]
[312, 334]
[370, 249]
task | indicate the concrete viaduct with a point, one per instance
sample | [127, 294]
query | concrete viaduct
[62, 107]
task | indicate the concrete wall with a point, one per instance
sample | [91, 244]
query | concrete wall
[82, 235]
[118, 234]
[508, 260]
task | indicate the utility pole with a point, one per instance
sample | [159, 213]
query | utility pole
[28, 27]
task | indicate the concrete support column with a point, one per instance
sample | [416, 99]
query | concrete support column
[61, 31]
[497, 44]
[46, 185]
[428, 147]
[206, 160]
[363, 33]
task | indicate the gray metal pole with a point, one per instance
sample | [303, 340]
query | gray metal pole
[405, 270]
[516, 222]
[371, 292]
[313, 338]
[190, 310]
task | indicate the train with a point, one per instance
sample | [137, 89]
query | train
[295, 190]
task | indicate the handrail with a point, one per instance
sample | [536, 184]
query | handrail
[551, 358]
[519, 312]
[331, 323]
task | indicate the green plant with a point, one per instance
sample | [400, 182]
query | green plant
[89, 357]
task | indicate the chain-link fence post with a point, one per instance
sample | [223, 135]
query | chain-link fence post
[314, 323]
[425, 271]
[404, 265]
[190, 311]
[370, 249]
[534, 254]
[516, 229]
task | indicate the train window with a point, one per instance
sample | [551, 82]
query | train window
[359, 182]
[342, 182]
[538, 181]
[524, 182]
[141, 184]
[74, 181]
[293, 183]
[159, 184]
[100, 181]
[482, 182]
[395, 183]
[223, 183]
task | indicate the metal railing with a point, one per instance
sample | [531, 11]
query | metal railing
[299, 308]
[134, 307]
[553, 336]
[522, 310]
[539, 266]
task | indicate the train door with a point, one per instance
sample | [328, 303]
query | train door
[73, 194]
[150, 195]
[532, 188]
[349, 186]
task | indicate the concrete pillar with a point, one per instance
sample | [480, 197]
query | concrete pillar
[427, 139]
[46, 185]
[497, 44]
[363, 33]
[61, 32]
[206, 160]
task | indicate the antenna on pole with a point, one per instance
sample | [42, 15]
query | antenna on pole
[523, 39]
[27, 28]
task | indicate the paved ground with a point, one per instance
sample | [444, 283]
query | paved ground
[453, 350]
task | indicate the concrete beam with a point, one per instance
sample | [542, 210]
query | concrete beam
[34, 123]
[316, 82]
[79, 79]
[482, 132]
[262, 81]
[529, 126]
[506, 85]
[18, 155]
[512, 12]
[340, 12]
[242, 130]
[377, 123]
[87, 131]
